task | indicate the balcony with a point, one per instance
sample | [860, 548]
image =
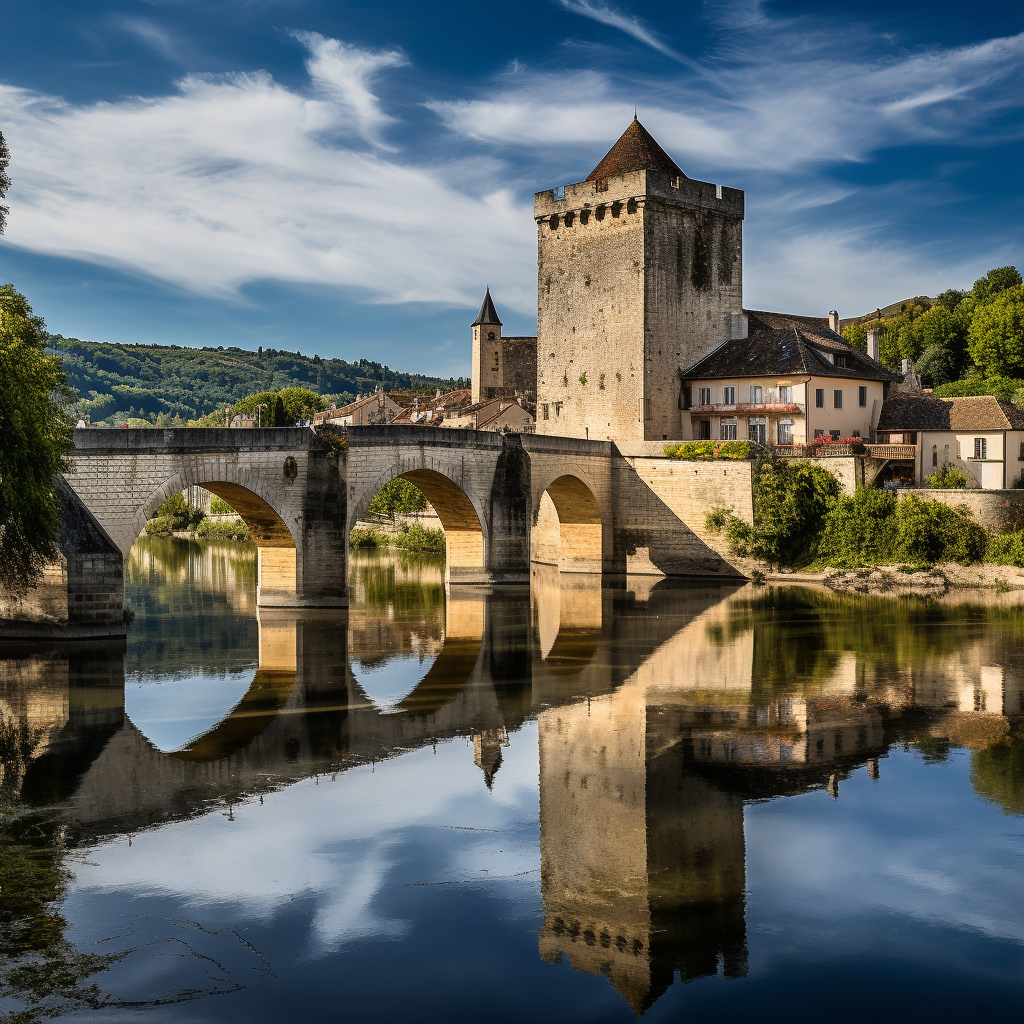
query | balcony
[836, 450]
[900, 452]
[745, 408]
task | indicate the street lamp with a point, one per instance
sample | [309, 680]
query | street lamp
[259, 418]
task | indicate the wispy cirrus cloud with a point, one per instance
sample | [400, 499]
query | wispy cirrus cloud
[235, 178]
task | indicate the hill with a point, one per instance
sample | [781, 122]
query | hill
[893, 309]
[118, 382]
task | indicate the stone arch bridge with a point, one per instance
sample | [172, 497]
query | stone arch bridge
[504, 501]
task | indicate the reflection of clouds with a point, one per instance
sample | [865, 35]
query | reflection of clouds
[878, 848]
[171, 712]
[388, 683]
[336, 843]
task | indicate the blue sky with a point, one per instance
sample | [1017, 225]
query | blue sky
[346, 178]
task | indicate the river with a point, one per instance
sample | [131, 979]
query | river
[559, 803]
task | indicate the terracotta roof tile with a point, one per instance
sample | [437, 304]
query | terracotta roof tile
[925, 412]
[636, 150]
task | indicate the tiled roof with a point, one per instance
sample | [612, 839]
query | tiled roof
[790, 346]
[636, 150]
[488, 314]
[925, 412]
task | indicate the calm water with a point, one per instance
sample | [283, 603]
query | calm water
[572, 804]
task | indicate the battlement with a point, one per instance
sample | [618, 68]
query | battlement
[587, 202]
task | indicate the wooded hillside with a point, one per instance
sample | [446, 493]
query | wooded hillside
[120, 382]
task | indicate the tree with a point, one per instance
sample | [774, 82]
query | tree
[941, 337]
[398, 495]
[5, 182]
[35, 440]
[996, 334]
[995, 282]
[279, 417]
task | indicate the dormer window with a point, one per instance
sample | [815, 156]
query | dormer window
[839, 360]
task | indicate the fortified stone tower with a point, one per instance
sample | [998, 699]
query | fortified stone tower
[639, 276]
[487, 369]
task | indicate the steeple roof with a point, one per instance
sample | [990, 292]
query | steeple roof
[487, 314]
[636, 150]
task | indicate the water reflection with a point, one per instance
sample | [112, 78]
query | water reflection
[662, 712]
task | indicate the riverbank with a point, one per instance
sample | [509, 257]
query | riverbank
[928, 581]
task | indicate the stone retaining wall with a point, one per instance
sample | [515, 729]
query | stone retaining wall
[998, 511]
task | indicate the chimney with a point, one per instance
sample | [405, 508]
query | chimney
[873, 343]
[906, 367]
[739, 325]
[833, 321]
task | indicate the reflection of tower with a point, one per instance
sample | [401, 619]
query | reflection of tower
[487, 746]
[642, 866]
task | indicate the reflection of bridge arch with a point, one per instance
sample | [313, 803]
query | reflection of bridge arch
[568, 527]
[461, 511]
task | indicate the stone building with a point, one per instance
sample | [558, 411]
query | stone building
[502, 367]
[639, 275]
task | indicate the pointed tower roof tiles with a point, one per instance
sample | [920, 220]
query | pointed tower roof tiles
[488, 314]
[636, 150]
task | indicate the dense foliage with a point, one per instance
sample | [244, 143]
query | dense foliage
[972, 340]
[876, 527]
[1007, 549]
[701, 451]
[801, 518]
[790, 501]
[997, 772]
[948, 476]
[398, 495]
[411, 538]
[116, 383]
[35, 439]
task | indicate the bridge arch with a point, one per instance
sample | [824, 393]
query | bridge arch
[568, 528]
[462, 515]
[277, 563]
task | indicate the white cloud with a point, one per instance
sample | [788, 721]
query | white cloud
[785, 98]
[235, 179]
[622, 20]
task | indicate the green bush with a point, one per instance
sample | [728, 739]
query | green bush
[691, 450]
[236, 530]
[219, 507]
[877, 528]
[365, 537]
[398, 495]
[160, 526]
[1007, 549]
[736, 450]
[949, 476]
[416, 538]
[716, 519]
[176, 508]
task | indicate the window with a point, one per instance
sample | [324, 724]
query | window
[819, 398]
[835, 434]
[544, 410]
[729, 396]
[1020, 458]
[785, 436]
[728, 430]
[862, 397]
[856, 433]
[838, 360]
[981, 447]
[757, 397]
[935, 455]
[945, 457]
[785, 393]
[644, 409]
[837, 399]
[704, 430]
[819, 433]
[705, 396]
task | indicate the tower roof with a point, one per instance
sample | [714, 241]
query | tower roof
[636, 150]
[487, 314]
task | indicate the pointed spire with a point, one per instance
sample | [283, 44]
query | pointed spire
[636, 150]
[487, 314]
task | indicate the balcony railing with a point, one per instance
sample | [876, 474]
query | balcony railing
[746, 408]
[903, 452]
[826, 450]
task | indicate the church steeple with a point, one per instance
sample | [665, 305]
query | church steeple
[636, 150]
[488, 314]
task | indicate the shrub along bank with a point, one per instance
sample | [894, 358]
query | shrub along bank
[802, 520]
[410, 538]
